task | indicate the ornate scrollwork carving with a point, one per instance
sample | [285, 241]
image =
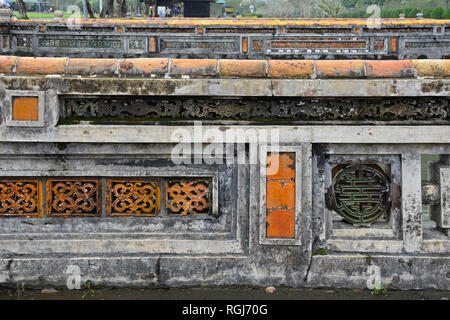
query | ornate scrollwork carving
[73, 197]
[184, 197]
[126, 198]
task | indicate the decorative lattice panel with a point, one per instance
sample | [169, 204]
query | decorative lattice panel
[73, 197]
[132, 197]
[20, 198]
[188, 197]
[360, 193]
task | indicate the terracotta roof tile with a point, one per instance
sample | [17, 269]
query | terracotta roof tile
[291, 68]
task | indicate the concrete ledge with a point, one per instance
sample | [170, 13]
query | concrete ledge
[226, 68]
[91, 85]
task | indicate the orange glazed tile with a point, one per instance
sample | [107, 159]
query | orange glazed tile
[205, 67]
[300, 69]
[280, 195]
[433, 68]
[389, 69]
[340, 68]
[143, 66]
[44, 65]
[7, 63]
[245, 44]
[283, 164]
[80, 66]
[25, 108]
[242, 68]
[280, 224]
[394, 45]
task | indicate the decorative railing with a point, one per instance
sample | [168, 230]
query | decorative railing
[226, 171]
[231, 39]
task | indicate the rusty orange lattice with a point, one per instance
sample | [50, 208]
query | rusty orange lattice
[20, 198]
[132, 197]
[74, 197]
[187, 197]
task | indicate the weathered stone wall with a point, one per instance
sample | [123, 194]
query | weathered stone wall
[230, 39]
[77, 136]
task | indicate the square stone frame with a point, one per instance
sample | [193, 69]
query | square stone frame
[395, 215]
[8, 105]
[299, 154]
[322, 215]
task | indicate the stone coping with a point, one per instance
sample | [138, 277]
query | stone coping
[240, 22]
[225, 68]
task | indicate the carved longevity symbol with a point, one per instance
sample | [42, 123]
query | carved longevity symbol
[187, 197]
[360, 193]
[19, 198]
[132, 198]
[73, 197]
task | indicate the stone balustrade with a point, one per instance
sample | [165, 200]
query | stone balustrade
[165, 171]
